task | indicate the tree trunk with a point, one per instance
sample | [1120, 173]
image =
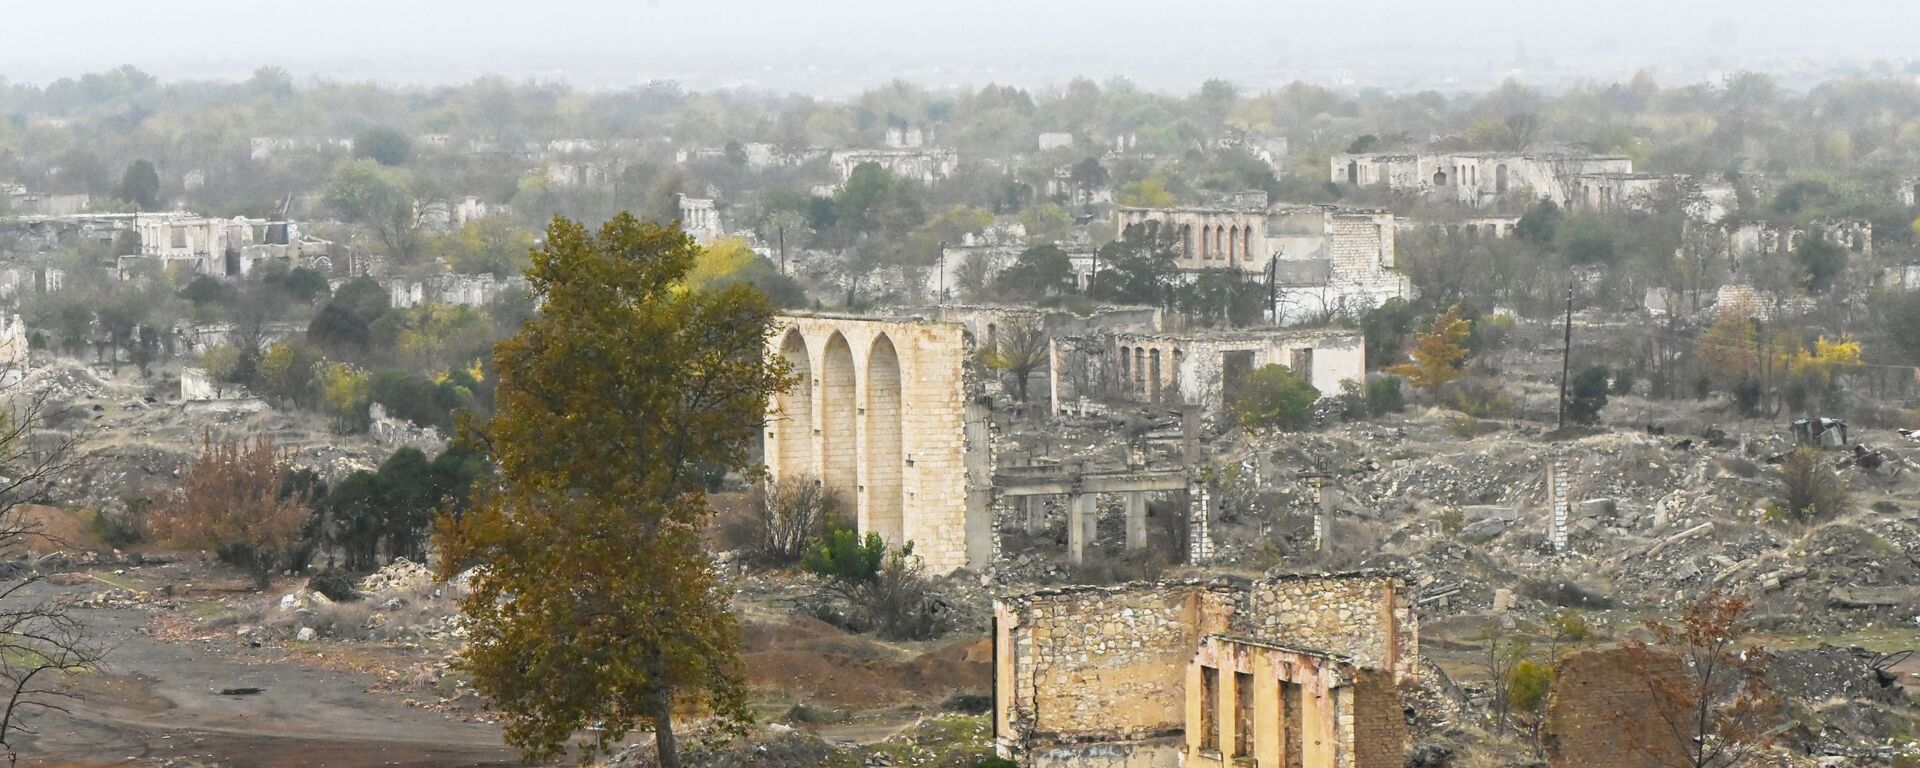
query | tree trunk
[660, 709]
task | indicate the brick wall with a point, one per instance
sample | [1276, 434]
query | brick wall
[1601, 714]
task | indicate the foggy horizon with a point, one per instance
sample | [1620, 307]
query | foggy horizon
[842, 47]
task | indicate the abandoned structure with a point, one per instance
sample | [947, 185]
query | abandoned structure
[1754, 238]
[1321, 261]
[1600, 182]
[925, 166]
[452, 288]
[221, 247]
[1284, 670]
[882, 412]
[699, 219]
[1199, 368]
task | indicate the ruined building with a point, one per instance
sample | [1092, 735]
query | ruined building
[882, 413]
[1573, 180]
[1321, 261]
[1198, 368]
[925, 166]
[1285, 670]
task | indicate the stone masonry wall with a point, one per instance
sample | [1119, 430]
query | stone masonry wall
[1108, 664]
[1599, 715]
[933, 392]
[1365, 616]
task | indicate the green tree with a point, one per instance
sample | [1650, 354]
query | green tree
[140, 185]
[366, 192]
[1038, 272]
[382, 145]
[1046, 223]
[1272, 397]
[1586, 395]
[1440, 353]
[599, 604]
[1819, 261]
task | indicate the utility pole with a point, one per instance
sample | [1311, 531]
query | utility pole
[781, 227]
[1566, 357]
[943, 272]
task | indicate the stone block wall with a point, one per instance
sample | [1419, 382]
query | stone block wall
[910, 372]
[1367, 616]
[1601, 714]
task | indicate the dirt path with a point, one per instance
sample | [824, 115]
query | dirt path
[160, 704]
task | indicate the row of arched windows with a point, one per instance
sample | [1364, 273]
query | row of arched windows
[1231, 242]
[1140, 373]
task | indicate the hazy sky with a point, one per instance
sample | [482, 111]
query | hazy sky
[833, 46]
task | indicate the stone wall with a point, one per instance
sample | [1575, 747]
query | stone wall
[1111, 667]
[1191, 369]
[883, 406]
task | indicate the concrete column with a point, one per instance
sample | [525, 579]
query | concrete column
[1199, 523]
[1136, 521]
[1081, 521]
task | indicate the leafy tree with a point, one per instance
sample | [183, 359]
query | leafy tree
[1272, 397]
[300, 284]
[140, 185]
[206, 289]
[1586, 395]
[234, 502]
[1046, 223]
[1037, 273]
[1819, 261]
[382, 145]
[1139, 268]
[366, 192]
[1528, 683]
[599, 605]
[1150, 192]
[287, 373]
[1586, 239]
[885, 588]
[1019, 351]
[488, 246]
[1440, 353]
[1386, 329]
[1540, 224]
[345, 392]
[1712, 709]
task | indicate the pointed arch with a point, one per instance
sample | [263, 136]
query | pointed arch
[793, 442]
[839, 447]
[885, 505]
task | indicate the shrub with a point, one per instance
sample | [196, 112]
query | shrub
[336, 584]
[1482, 399]
[1586, 395]
[790, 514]
[1272, 397]
[1384, 395]
[885, 590]
[1810, 490]
[123, 528]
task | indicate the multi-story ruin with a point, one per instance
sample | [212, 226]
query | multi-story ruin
[882, 413]
[1197, 368]
[1574, 180]
[1284, 670]
[1321, 261]
[925, 166]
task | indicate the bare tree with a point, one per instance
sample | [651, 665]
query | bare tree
[791, 513]
[40, 644]
[235, 501]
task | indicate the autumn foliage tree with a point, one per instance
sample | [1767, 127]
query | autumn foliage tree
[599, 605]
[1439, 353]
[236, 501]
[1711, 709]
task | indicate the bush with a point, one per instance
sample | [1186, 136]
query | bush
[120, 529]
[1385, 395]
[789, 515]
[1272, 397]
[1482, 399]
[1586, 395]
[1810, 489]
[885, 590]
[336, 584]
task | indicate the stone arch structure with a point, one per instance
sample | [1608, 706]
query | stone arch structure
[1233, 244]
[885, 501]
[1353, 172]
[1206, 241]
[1153, 376]
[795, 408]
[882, 413]
[839, 448]
[1218, 247]
[1500, 178]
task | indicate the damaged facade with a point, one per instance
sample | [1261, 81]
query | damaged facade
[925, 166]
[1322, 261]
[882, 412]
[1573, 180]
[1200, 368]
[1285, 670]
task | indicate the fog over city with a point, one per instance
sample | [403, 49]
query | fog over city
[837, 47]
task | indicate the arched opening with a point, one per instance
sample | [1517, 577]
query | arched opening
[1233, 243]
[1500, 178]
[1139, 370]
[1246, 243]
[1440, 178]
[1126, 369]
[1153, 376]
[1186, 240]
[1353, 172]
[793, 444]
[886, 493]
[1219, 246]
[839, 448]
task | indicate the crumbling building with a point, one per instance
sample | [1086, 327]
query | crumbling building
[882, 413]
[1571, 179]
[1202, 368]
[1284, 670]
